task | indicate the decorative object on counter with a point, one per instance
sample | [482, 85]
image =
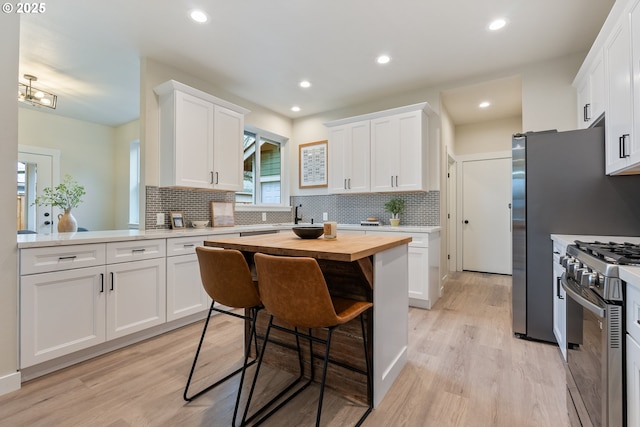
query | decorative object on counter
[177, 220]
[66, 195]
[199, 224]
[308, 232]
[222, 214]
[330, 230]
[312, 165]
[396, 207]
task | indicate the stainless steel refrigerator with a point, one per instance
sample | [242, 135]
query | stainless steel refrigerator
[560, 187]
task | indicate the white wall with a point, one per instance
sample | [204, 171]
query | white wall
[486, 137]
[9, 34]
[87, 154]
[124, 135]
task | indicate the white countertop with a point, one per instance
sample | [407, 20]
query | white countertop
[629, 274]
[84, 237]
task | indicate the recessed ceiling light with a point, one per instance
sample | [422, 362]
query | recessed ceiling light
[484, 104]
[295, 108]
[305, 83]
[497, 24]
[199, 16]
[383, 59]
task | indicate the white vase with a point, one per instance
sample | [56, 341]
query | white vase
[67, 222]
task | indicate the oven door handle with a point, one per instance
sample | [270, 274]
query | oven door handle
[574, 292]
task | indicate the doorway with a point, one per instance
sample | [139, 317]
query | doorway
[37, 169]
[486, 215]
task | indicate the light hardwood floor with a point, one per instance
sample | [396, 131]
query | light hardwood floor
[465, 369]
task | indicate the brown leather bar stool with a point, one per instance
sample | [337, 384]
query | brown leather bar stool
[293, 289]
[227, 280]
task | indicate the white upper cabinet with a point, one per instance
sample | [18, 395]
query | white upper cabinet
[399, 152]
[349, 149]
[386, 151]
[619, 121]
[591, 91]
[200, 139]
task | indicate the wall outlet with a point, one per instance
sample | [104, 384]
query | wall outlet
[159, 219]
[264, 216]
[325, 216]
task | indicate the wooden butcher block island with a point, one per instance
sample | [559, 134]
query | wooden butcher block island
[364, 267]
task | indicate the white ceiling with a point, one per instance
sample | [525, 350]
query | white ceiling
[87, 51]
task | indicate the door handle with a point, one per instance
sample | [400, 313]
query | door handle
[466, 221]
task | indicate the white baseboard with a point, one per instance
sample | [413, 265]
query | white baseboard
[9, 383]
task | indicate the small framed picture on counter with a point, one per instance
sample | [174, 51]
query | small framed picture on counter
[312, 164]
[222, 214]
[177, 220]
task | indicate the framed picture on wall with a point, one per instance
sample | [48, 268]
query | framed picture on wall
[177, 220]
[312, 164]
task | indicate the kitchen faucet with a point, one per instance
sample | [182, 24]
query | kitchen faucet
[297, 219]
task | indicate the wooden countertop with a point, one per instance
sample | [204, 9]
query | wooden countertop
[346, 247]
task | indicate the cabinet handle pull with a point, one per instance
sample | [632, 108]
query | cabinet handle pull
[190, 245]
[216, 177]
[396, 180]
[112, 280]
[558, 288]
[622, 146]
[101, 282]
[64, 258]
[349, 183]
[345, 183]
[211, 180]
[138, 251]
[586, 113]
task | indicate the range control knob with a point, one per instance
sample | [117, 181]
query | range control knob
[589, 279]
[572, 267]
[566, 260]
[580, 273]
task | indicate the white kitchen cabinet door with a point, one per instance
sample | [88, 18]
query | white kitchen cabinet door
[61, 312]
[228, 161]
[419, 277]
[136, 296]
[619, 132]
[349, 150]
[559, 308]
[187, 151]
[591, 93]
[633, 382]
[185, 294]
[399, 152]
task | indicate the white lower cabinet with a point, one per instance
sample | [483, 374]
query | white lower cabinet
[61, 312]
[423, 268]
[136, 296]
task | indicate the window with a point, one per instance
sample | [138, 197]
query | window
[263, 169]
[134, 183]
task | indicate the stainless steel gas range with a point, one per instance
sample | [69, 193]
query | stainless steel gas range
[595, 369]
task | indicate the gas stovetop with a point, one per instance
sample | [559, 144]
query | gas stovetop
[595, 265]
[617, 253]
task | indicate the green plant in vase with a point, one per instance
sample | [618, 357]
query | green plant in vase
[396, 207]
[66, 196]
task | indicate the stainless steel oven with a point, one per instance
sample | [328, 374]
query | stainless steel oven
[595, 368]
[594, 374]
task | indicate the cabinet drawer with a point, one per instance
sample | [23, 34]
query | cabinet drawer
[135, 250]
[184, 245]
[58, 258]
[633, 312]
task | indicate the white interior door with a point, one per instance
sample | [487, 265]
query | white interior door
[486, 215]
[41, 172]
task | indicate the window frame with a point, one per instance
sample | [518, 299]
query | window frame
[262, 135]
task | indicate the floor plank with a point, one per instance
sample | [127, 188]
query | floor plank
[465, 369]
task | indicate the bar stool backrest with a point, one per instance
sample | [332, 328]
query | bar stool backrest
[293, 289]
[226, 277]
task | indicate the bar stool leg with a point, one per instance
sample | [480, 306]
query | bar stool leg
[369, 382]
[252, 334]
[324, 375]
[195, 360]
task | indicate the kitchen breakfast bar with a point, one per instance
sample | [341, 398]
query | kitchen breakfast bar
[364, 267]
